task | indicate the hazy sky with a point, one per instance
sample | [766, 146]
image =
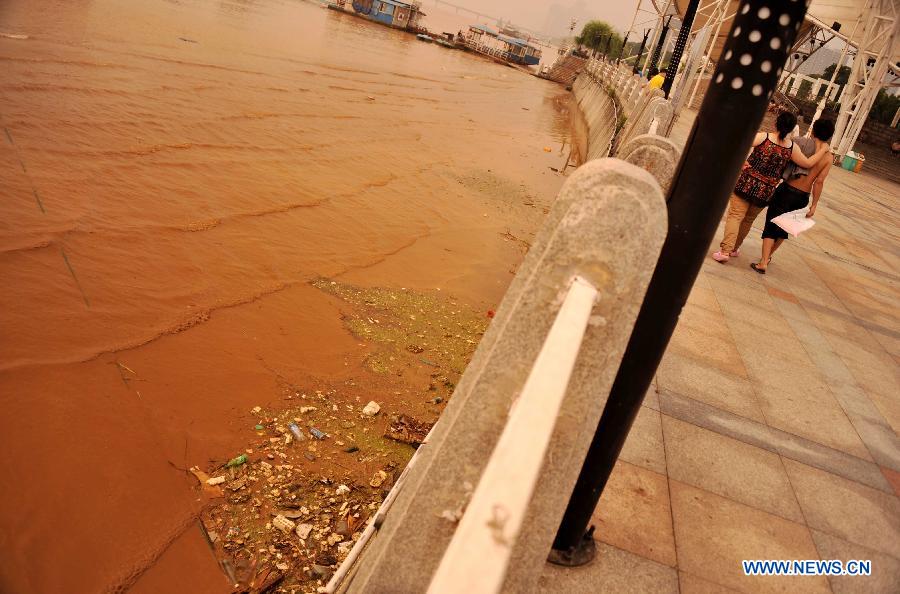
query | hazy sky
[534, 14]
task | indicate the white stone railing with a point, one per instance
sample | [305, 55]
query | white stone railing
[604, 88]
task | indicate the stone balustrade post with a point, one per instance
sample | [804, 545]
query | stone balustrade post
[655, 154]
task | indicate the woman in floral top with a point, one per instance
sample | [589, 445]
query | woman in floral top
[760, 176]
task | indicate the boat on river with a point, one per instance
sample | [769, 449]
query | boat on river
[497, 44]
[393, 13]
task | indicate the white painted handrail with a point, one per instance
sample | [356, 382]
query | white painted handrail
[475, 562]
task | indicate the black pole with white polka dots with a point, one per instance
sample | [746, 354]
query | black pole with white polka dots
[637, 62]
[687, 22]
[657, 53]
[746, 75]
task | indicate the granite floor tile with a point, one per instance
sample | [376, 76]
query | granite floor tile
[762, 315]
[651, 398]
[729, 468]
[803, 405]
[885, 576]
[691, 584]
[705, 298]
[893, 477]
[644, 445]
[634, 514]
[773, 440]
[847, 509]
[708, 349]
[876, 372]
[891, 344]
[783, 295]
[875, 432]
[714, 534]
[730, 284]
[766, 348]
[709, 384]
[613, 570]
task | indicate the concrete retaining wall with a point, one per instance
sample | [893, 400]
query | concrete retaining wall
[600, 111]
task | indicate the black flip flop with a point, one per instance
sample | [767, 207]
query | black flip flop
[759, 270]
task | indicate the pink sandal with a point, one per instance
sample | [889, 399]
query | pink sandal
[720, 257]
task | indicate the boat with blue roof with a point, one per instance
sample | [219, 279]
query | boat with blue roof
[393, 13]
[502, 45]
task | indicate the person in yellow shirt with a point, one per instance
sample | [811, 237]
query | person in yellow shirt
[657, 81]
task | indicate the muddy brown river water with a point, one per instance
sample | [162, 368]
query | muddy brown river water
[173, 176]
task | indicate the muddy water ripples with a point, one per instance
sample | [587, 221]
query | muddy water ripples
[173, 175]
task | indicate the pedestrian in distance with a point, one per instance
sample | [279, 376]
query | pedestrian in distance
[760, 175]
[794, 193]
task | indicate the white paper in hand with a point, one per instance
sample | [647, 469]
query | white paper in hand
[794, 222]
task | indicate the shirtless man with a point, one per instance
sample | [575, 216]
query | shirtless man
[794, 193]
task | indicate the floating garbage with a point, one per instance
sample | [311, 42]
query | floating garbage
[378, 479]
[317, 434]
[303, 531]
[296, 432]
[406, 429]
[284, 524]
[234, 462]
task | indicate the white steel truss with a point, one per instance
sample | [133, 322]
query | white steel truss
[879, 30]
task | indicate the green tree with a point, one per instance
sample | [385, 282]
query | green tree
[595, 36]
[842, 77]
[885, 107]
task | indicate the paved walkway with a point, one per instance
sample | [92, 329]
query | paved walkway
[772, 428]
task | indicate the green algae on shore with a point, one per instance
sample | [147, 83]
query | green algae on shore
[411, 327]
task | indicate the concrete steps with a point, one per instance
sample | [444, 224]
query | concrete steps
[879, 161]
[565, 70]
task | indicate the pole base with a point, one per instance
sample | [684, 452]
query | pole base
[581, 554]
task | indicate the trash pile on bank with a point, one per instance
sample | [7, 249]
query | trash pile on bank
[282, 514]
[285, 512]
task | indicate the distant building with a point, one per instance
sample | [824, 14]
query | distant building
[819, 61]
